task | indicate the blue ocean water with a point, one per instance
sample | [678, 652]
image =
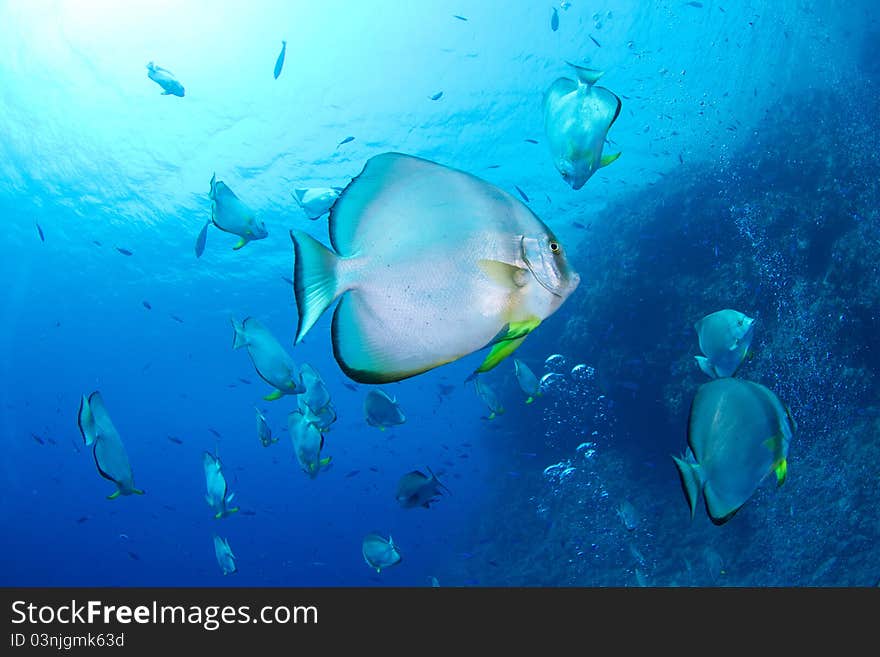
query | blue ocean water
[747, 180]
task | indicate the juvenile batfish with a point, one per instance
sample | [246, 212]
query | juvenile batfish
[217, 496]
[738, 433]
[628, 515]
[271, 361]
[577, 117]
[230, 215]
[489, 397]
[110, 456]
[418, 489]
[307, 444]
[279, 63]
[264, 432]
[382, 411]
[379, 553]
[431, 264]
[224, 555]
[164, 79]
[315, 201]
[724, 338]
[527, 380]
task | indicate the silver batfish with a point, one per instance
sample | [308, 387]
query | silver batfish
[230, 215]
[165, 79]
[724, 338]
[270, 360]
[577, 118]
[431, 264]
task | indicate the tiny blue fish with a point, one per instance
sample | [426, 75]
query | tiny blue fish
[147, 305]
[532, 141]
[40, 231]
[124, 252]
[201, 239]
[594, 40]
[554, 20]
[280, 61]
[437, 96]
[522, 193]
[287, 280]
[461, 18]
[176, 319]
[344, 141]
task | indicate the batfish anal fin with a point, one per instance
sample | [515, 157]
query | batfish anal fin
[499, 352]
[240, 244]
[114, 495]
[274, 395]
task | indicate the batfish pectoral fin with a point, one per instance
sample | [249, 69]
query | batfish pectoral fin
[506, 275]
[114, 494]
[274, 395]
[608, 159]
[324, 462]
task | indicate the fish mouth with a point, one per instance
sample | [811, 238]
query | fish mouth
[545, 284]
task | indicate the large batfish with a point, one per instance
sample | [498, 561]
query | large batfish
[577, 117]
[108, 450]
[429, 264]
[738, 433]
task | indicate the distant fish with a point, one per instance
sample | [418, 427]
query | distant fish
[287, 280]
[494, 166]
[97, 243]
[176, 318]
[352, 474]
[82, 519]
[134, 555]
[578, 224]
[523, 194]
[165, 79]
[698, 5]
[374, 469]
[554, 20]
[175, 440]
[345, 141]
[124, 252]
[461, 18]
[231, 215]
[40, 231]
[147, 305]
[437, 96]
[350, 386]
[531, 141]
[379, 553]
[202, 239]
[225, 556]
[37, 439]
[594, 40]
[246, 381]
[215, 432]
[279, 63]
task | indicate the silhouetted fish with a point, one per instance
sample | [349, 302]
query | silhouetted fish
[522, 193]
[461, 18]
[287, 280]
[531, 141]
[345, 141]
[82, 519]
[372, 469]
[40, 231]
[352, 474]
[594, 40]
[175, 440]
[37, 439]
[147, 305]
[215, 432]
[176, 318]
[248, 381]
[124, 252]
[437, 96]
[350, 386]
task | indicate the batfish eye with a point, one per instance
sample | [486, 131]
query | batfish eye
[554, 246]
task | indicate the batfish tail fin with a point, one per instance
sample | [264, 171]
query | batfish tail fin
[706, 366]
[691, 482]
[587, 76]
[239, 337]
[315, 283]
